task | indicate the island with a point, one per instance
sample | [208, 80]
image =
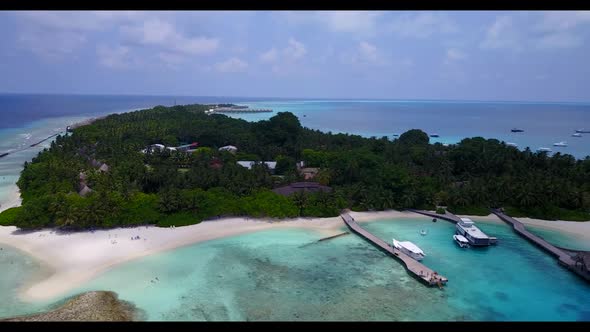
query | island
[180, 165]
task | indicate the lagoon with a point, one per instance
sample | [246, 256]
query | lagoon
[285, 275]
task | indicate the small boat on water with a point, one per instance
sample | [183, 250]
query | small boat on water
[560, 144]
[582, 131]
[466, 227]
[512, 144]
[433, 219]
[543, 150]
[516, 130]
[577, 135]
[423, 232]
[461, 241]
[434, 135]
[409, 249]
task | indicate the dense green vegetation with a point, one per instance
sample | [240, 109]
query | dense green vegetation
[8, 216]
[176, 188]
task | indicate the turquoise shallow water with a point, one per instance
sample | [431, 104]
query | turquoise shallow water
[16, 270]
[284, 275]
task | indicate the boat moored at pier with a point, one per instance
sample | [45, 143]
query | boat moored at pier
[409, 249]
[461, 241]
[466, 228]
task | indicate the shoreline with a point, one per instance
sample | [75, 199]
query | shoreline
[73, 258]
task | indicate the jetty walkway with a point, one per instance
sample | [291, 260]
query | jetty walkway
[574, 260]
[73, 126]
[415, 268]
[447, 216]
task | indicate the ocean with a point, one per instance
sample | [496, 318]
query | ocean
[276, 275]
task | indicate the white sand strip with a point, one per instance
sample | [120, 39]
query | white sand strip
[74, 258]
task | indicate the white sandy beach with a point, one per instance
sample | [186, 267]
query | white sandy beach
[74, 258]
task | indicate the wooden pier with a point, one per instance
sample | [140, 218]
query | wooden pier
[573, 260]
[240, 110]
[333, 236]
[447, 216]
[415, 268]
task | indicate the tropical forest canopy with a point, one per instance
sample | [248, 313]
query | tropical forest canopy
[178, 188]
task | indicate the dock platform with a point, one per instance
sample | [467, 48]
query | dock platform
[415, 268]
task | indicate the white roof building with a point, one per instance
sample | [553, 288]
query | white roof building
[249, 163]
[229, 148]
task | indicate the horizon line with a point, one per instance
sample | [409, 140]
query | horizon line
[304, 98]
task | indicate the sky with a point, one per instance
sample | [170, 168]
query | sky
[463, 55]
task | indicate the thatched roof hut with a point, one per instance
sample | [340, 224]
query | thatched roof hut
[104, 168]
[84, 191]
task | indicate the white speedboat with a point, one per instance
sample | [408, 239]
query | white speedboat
[461, 241]
[577, 135]
[409, 249]
[512, 144]
[560, 144]
[543, 150]
[423, 232]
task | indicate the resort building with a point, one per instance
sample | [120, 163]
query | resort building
[249, 164]
[313, 187]
[84, 191]
[188, 147]
[104, 168]
[229, 148]
[309, 172]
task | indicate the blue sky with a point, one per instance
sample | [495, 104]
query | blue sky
[468, 55]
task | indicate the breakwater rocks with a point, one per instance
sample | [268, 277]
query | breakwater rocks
[90, 306]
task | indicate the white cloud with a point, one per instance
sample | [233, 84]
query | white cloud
[364, 54]
[52, 46]
[563, 20]
[551, 30]
[454, 54]
[270, 55]
[117, 57]
[422, 25]
[171, 59]
[502, 34]
[77, 20]
[540, 77]
[231, 65]
[285, 61]
[354, 22]
[407, 63]
[368, 51]
[295, 50]
[559, 40]
[156, 32]
[350, 21]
